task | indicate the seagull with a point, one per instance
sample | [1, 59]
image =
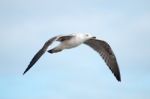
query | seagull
[76, 39]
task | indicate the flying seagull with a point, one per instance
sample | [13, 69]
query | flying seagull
[76, 39]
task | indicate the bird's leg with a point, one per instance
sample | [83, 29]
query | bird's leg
[54, 50]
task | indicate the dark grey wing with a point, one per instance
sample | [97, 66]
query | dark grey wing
[107, 54]
[64, 38]
[40, 53]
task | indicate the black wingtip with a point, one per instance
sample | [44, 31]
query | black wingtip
[118, 78]
[24, 72]
[29, 66]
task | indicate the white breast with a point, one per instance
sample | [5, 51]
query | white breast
[74, 42]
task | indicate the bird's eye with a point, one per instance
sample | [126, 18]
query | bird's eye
[87, 35]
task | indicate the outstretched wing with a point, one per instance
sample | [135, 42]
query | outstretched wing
[107, 54]
[40, 53]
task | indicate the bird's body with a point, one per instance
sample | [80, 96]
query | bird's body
[70, 41]
[74, 40]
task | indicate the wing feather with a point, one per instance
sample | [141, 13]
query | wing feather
[107, 54]
[40, 53]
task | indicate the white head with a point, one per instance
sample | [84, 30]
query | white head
[88, 36]
[84, 36]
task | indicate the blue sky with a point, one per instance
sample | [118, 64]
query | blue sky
[78, 73]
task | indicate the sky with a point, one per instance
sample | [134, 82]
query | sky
[79, 73]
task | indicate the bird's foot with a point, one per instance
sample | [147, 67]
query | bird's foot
[53, 51]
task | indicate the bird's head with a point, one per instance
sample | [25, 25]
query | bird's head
[84, 36]
[89, 36]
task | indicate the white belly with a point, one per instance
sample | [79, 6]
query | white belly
[74, 42]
